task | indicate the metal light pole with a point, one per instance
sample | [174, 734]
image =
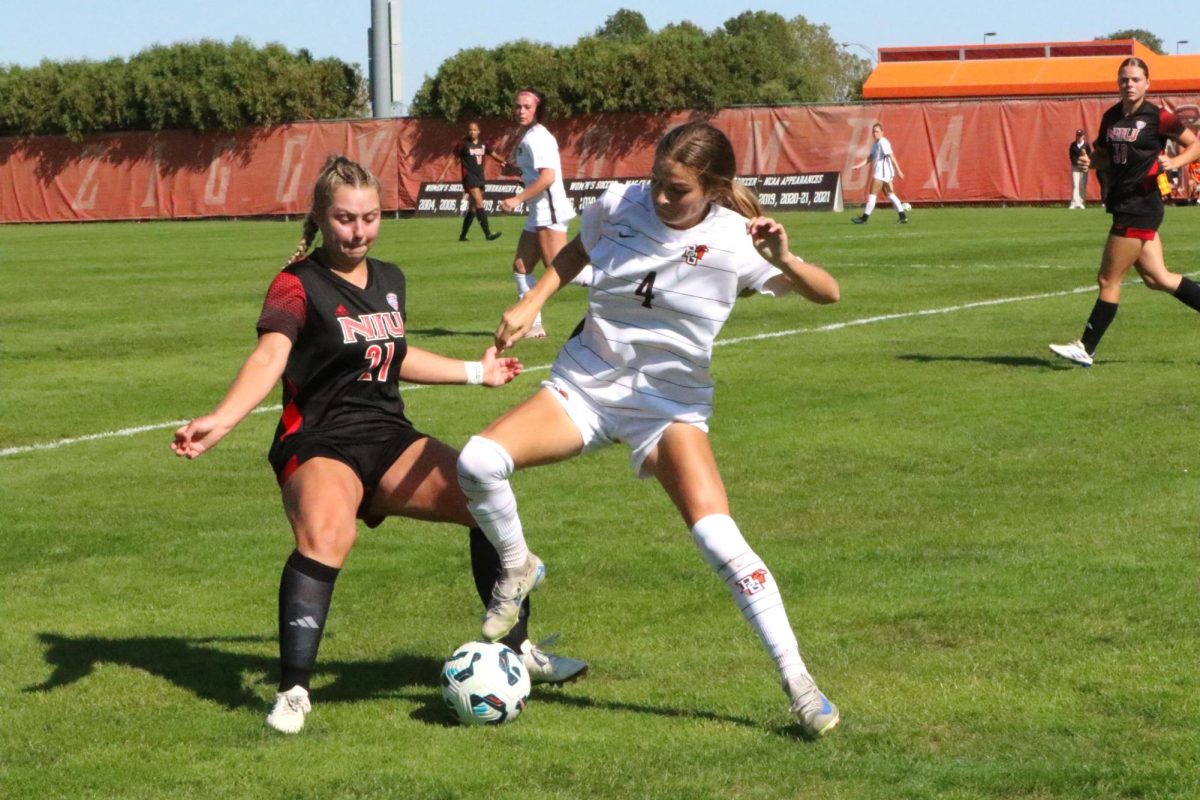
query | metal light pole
[383, 40]
[1181, 41]
[870, 53]
[986, 35]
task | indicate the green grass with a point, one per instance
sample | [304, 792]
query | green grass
[988, 555]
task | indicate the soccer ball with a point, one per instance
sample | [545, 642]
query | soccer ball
[907, 206]
[485, 683]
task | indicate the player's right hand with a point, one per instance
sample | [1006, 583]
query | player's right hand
[198, 436]
[514, 323]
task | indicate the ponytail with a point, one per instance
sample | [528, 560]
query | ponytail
[306, 240]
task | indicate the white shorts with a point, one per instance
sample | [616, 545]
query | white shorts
[601, 427]
[532, 226]
[548, 212]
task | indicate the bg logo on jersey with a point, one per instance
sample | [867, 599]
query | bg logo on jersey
[694, 253]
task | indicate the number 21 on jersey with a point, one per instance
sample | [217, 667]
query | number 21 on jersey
[375, 354]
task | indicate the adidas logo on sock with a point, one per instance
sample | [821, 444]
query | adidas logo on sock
[305, 622]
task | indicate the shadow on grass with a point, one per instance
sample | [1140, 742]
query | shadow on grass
[447, 332]
[1003, 361]
[204, 668]
[207, 670]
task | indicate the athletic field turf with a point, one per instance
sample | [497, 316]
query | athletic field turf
[989, 555]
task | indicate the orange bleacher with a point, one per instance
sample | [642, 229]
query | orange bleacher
[1036, 69]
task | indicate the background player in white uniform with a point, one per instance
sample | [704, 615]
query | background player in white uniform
[670, 260]
[545, 231]
[885, 169]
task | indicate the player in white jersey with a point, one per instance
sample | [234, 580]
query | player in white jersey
[670, 260]
[884, 170]
[550, 209]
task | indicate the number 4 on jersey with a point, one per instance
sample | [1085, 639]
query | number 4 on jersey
[645, 290]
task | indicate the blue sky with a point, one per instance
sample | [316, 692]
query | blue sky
[99, 29]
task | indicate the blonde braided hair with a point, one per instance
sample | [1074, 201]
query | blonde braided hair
[337, 172]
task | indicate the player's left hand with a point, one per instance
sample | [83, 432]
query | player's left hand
[499, 371]
[1164, 162]
[769, 237]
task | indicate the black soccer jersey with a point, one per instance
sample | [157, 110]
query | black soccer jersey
[1133, 143]
[348, 343]
[470, 155]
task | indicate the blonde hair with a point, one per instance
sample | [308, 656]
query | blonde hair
[338, 171]
[704, 149]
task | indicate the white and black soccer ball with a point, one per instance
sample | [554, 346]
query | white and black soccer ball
[485, 683]
[907, 206]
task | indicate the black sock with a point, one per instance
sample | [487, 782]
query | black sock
[485, 567]
[1101, 317]
[482, 216]
[305, 591]
[468, 217]
[1188, 293]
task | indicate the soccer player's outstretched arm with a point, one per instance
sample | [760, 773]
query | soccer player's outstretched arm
[258, 376]
[518, 319]
[808, 280]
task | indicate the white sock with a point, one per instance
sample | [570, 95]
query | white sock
[483, 470]
[752, 586]
[524, 284]
[896, 204]
[870, 205]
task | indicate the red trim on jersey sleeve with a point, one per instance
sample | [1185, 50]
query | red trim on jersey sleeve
[1169, 124]
[285, 309]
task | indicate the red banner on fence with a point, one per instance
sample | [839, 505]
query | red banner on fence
[950, 152]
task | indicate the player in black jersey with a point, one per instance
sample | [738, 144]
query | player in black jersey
[471, 152]
[333, 328]
[1129, 151]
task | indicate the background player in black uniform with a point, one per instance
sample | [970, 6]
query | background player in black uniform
[332, 328]
[1132, 136]
[471, 152]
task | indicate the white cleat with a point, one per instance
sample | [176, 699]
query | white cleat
[536, 332]
[549, 668]
[816, 715]
[508, 594]
[287, 716]
[1073, 351]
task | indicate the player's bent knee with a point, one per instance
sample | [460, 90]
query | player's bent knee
[483, 462]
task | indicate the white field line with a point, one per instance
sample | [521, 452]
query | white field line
[836, 326]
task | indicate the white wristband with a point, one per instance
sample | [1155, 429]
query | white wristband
[474, 372]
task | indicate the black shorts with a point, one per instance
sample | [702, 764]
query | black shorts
[369, 457]
[472, 182]
[1136, 226]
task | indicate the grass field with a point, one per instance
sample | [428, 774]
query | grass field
[989, 556]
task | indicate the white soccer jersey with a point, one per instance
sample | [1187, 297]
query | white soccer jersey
[881, 157]
[658, 298]
[538, 150]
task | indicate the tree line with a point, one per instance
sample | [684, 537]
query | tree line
[206, 85]
[755, 58]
